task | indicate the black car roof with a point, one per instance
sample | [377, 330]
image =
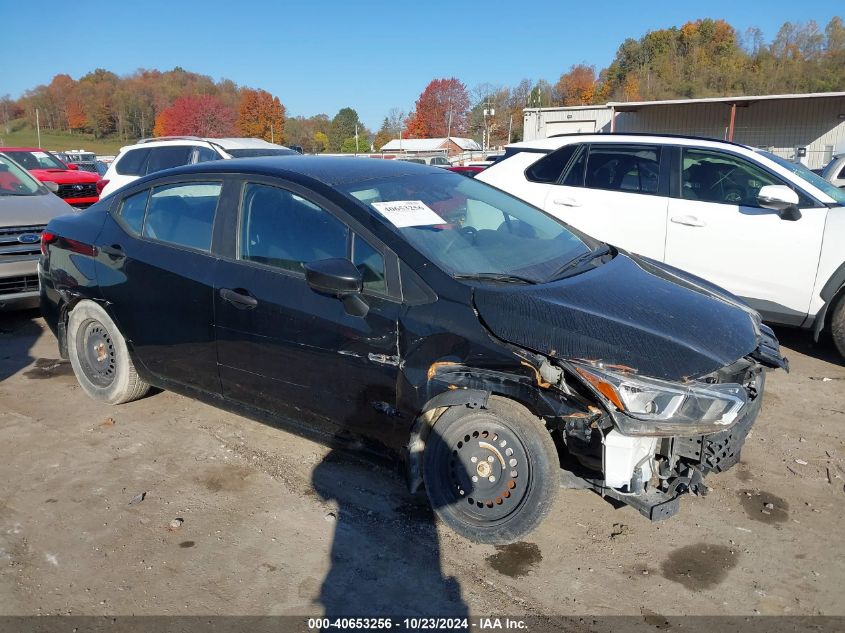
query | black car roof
[329, 170]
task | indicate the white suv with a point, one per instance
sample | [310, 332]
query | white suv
[154, 154]
[768, 230]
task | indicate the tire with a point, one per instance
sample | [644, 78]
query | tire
[521, 493]
[837, 324]
[100, 358]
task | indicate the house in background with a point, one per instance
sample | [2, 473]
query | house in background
[451, 146]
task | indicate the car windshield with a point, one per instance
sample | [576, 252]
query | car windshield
[468, 228]
[258, 151]
[814, 179]
[36, 159]
[14, 181]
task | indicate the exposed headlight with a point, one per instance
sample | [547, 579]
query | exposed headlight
[650, 406]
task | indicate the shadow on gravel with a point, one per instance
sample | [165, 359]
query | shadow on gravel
[18, 333]
[802, 341]
[385, 557]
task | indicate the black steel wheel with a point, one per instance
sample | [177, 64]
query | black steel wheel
[99, 356]
[96, 353]
[491, 474]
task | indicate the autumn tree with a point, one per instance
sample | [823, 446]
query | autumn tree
[578, 86]
[343, 126]
[261, 115]
[196, 115]
[440, 111]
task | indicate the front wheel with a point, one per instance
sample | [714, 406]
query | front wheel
[491, 474]
[100, 358]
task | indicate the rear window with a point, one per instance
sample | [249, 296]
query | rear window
[132, 162]
[168, 157]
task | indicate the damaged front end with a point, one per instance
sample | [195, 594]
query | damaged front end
[653, 440]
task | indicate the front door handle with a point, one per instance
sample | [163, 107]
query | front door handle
[239, 298]
[687, 220]
[567, 202]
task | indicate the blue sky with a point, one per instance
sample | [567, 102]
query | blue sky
[370, 55]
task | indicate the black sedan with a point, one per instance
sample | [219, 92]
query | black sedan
[490, 348]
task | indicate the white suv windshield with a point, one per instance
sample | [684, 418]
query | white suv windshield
[468, 228]
[814, 179]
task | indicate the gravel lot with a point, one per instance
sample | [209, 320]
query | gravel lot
[169, 506]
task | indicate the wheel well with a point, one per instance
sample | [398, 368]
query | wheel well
[432, 411]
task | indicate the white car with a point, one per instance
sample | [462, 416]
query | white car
[154, 154]
[770, 231]
[834, 171]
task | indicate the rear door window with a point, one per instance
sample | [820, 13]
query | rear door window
[183, 214]
[133, 209]
[168, 157]
[133, 162]
[630, 169]
[549, 168]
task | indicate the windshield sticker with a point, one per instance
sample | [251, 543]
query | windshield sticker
[404, 213]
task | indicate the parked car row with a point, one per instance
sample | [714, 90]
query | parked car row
[565, 325]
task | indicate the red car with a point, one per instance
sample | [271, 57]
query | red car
[467, 170]
[76, 187]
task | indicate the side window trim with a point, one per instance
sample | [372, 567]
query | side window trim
[582, 150]
[231, 226]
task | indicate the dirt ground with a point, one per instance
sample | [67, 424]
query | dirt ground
[169, 506]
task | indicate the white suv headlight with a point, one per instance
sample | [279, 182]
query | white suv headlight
[650, 406]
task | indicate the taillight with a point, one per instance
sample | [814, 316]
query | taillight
[74, 246]
[101, 184]
[47, 238]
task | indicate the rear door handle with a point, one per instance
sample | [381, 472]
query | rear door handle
[687, 220]
[567, 202]
[114, 251]
[239, 298]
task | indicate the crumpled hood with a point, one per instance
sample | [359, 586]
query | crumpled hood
[629, 311]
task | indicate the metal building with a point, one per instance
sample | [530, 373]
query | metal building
[806, 127]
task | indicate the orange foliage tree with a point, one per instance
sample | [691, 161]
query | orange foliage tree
[441, 99]
[261, 115]
[196, 115]
[578, 86]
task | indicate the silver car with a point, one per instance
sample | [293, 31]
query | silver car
[26, 206]
[834, 172]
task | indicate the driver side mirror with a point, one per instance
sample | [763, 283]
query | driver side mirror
[340, 278]
[51, 186]
[780, 198]
[73, 167]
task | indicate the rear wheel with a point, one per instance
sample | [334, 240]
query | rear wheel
[491, 474]
[837, 324]
[100, 358]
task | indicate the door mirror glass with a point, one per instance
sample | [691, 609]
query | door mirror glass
[339, 277]
[782, 199]
[336, 276]
[777, 197]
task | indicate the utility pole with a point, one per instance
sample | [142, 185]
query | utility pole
[38, 127]
[272, 137]
[356, 138]
[510, 129]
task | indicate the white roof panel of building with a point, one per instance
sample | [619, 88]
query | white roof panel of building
[427, 144]
[808, 95]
